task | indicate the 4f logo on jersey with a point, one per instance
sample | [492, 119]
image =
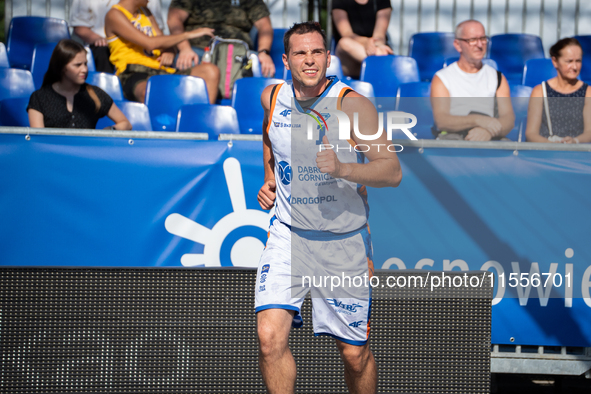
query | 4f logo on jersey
[356, 323]
[285, 112]
[284, 172]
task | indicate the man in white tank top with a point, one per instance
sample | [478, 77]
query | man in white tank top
[463, 94]
[336, 237]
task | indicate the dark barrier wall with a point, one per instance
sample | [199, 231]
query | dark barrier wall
[523, 215]
[159, 330]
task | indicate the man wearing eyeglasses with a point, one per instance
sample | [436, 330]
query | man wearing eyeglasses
[471, 100]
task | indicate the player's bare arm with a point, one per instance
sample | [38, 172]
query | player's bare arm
[383, 168]
[266, 196]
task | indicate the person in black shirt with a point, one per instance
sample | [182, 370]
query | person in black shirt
[65, 100]
[360, 28]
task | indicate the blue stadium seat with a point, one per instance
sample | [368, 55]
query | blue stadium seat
[108, 82]
[430, 51]
[488, 61]
[246, 101]
[334, 69]
[13, 112]
[538, 70]
[40, 63]
[90, 59]
[165, 94]
[27, 31]
[137, 114]
[385, 73]
[520, 101]
[585, 42]
[15, 83]
[511, 51]
[363, 88]
[414, 98]
[211, 119]
[3, 56]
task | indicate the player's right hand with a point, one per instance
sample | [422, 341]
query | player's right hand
[491, 124]
[187, 59]
[202, 31]
[266, 196]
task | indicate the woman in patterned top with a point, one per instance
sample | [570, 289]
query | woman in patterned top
[65, 100]
[568, 100]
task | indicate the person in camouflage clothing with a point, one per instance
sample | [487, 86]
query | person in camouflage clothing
[229, 19]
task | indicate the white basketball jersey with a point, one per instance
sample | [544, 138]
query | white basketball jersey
[306, 198]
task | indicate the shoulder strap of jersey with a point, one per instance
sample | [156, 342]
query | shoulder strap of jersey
[272, 101]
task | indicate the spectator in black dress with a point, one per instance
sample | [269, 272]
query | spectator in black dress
[567, 99]
[360, 30]
[65, 100]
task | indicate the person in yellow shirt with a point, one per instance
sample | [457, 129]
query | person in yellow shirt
[139, 50]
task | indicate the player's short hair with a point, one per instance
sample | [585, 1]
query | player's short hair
[303, 28]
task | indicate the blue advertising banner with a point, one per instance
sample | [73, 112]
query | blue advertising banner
[102, 201]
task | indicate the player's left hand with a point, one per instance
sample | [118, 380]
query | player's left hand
[328, 162]
[166, 58]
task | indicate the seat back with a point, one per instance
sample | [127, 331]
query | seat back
[211, 119]
[414, 98]
[519, 101]
[166, 94]
[386, 73]
[249, 110]
[13, 112]
[430, 51]
[361, 87]
[15, 83]
[334, 69]
[488, 61]
[137, 114]
[277, 51]
[585, 42]
[107, 82]
[512, 51]
[40, 63]
[538, 70]
[27, 31]
[4, 63]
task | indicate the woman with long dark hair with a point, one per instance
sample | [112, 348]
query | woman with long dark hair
[560, 108]
[65, 100]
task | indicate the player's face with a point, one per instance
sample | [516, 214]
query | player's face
[77, 69]
[475, 50]
[307, 59]
[568, 65]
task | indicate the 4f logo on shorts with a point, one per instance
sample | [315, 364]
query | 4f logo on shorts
[356, 323]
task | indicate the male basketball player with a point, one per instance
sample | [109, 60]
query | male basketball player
[320, 211]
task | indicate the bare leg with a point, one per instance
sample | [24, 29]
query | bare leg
[351, 52]
[211, 74]
[275, 359]
[361, 373]
[140, 91]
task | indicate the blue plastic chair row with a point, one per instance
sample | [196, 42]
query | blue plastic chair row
[414, 98]
[509, 51]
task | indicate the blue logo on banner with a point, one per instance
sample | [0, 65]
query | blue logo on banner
[285, 172]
